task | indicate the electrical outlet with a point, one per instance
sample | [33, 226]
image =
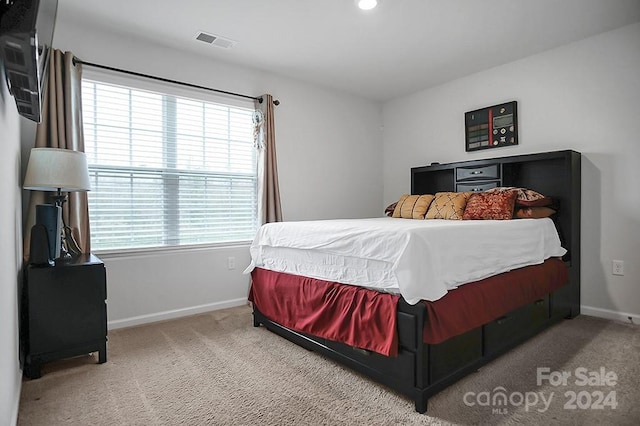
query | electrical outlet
[617, 267]
[231, 262]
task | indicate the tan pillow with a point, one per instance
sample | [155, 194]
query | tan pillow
[412, 206]
[448, 205]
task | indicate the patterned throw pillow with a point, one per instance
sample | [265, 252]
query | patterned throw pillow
[390, 209]
[448, 205]
[412, 206]
[526, 197]
[490, 206]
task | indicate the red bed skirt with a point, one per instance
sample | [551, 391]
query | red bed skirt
[353, 315]
[474, 304]
[367, 319]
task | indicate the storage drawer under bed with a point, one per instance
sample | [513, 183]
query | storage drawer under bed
[454, 354]
[402, 367]
[508, 330]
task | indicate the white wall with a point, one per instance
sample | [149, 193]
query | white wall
[329, 148]
[584, 96]
[10, 255]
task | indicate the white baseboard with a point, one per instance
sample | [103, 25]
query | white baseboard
[607, 314]
[177, 313]
[193, 310]
[16, 403]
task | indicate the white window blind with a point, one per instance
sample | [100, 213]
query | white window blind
[167, 170]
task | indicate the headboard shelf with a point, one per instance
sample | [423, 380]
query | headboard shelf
[555, 174]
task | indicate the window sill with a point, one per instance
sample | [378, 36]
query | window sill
[152, 251]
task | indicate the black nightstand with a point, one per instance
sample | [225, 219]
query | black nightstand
[63, 311]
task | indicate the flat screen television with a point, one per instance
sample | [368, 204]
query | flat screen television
[26, 32]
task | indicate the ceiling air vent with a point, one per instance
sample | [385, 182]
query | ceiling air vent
[215, 40]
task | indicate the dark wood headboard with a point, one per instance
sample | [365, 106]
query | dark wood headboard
[555, 174]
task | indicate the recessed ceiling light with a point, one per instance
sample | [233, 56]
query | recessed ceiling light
[367, 4]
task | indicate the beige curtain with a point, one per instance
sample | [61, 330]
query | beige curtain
[61, 127]
[269, 209]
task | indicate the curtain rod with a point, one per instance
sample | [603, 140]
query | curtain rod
[77, 60]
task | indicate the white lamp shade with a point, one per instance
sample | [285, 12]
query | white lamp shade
[52, 169]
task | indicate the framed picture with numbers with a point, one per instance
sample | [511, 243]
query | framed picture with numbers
[491, 127]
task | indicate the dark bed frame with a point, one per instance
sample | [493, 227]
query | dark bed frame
[420, 369]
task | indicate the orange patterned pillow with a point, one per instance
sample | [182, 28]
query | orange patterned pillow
[448, 205]
[490, 206]
[412, 206]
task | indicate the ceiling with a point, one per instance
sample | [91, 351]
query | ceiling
[398, 48]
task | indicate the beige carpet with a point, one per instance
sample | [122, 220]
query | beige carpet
[217, 369]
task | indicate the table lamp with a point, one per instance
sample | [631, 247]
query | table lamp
[59, 170]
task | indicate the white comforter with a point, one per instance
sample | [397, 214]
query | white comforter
[420, 259]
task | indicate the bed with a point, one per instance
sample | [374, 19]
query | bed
[413, 311]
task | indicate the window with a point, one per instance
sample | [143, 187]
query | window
[167, 170]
